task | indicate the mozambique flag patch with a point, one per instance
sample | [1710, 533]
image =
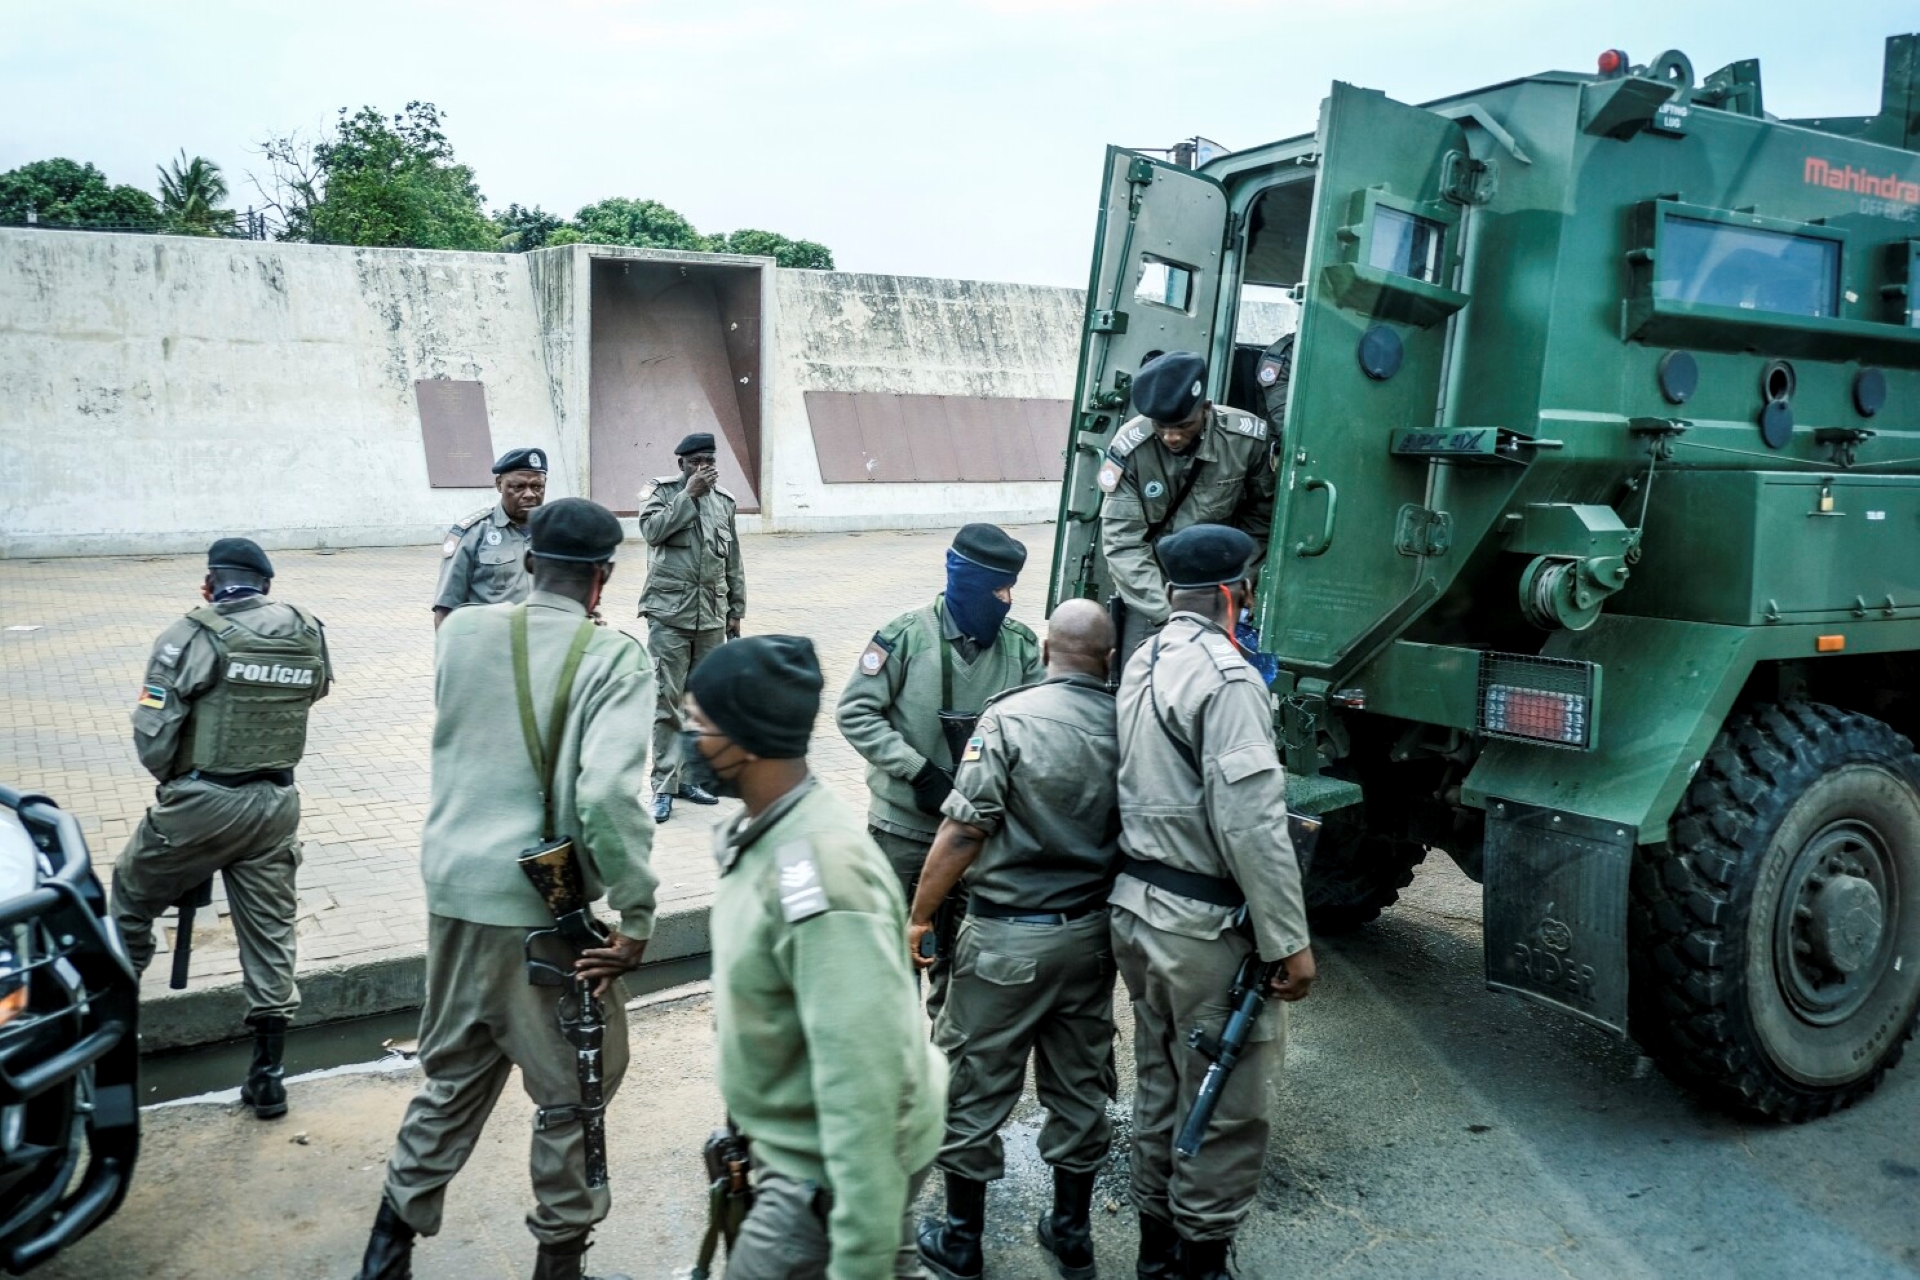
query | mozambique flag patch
[153, 695]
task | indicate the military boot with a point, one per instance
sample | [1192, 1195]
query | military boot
[952, 1248]
[567, 1261]
[1159, 1250]
[265, 1090]
[1205, 1259]
[1066, 1233]
[389, 1253]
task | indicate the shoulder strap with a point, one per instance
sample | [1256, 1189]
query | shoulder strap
[946, 658]
[1179, 496]
[544, 758]
[211, 619]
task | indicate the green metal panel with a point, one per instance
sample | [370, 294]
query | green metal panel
[1430, 683]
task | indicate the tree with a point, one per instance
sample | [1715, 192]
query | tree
[190, 196]
[523, 229]
[645, 224]
[784, 252]
[66, 193]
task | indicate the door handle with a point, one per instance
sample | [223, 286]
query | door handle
[1319, 546]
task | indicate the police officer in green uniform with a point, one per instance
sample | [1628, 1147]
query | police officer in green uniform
[1034, 824]
[482, 1015]
[1274, 374]
[1208, 875]
[695, 596]
[911, 702]
[484, 559]
[823, 1066]
[221, 722]
[1183, 461]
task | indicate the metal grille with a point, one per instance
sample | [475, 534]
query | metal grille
[1550, 701]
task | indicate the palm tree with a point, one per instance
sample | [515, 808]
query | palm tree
[190, 196]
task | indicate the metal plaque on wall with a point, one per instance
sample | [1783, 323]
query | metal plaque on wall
[453, 425]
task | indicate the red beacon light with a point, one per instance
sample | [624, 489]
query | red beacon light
[1613, 62]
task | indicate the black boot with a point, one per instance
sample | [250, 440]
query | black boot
[952, 1248]
[1159, 1250]
[1066, 1233]
[1205, 1259]
[566, 1261]
[264, 1090]
[389, 1247]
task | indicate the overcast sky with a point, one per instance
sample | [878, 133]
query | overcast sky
[956, 139]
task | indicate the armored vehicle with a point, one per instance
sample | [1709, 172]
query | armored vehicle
[1595, 556]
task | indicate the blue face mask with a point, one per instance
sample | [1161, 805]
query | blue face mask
[970, 599]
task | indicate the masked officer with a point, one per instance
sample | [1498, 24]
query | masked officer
[507, 677]
[1034, 823]
[695, 596]
[912, 700]
[1183, 461]
[221, 722]
[1208, 874]
[822, 1065]
[484, 559]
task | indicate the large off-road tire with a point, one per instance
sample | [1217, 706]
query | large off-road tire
[1775, 960]
[1355, 873]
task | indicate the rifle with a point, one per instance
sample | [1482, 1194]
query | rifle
[729, 1193]
[1117, 614]
[554, 869]
[1247, 998]
[201, 895]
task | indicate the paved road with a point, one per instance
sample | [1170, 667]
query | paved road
[1426, 1128]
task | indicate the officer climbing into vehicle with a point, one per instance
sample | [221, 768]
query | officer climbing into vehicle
[1183, 461]
[222, 722]
[695, 597]
[1274, 374]
[483, 560]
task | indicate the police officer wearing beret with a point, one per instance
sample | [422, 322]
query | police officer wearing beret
[483, 560]
[695, 597]
[221, 721]
[1208, 874]
[914, 696]
[1183, 461]
[496, 667]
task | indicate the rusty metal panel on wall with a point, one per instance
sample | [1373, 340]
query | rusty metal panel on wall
[875, 435]
[453, 425]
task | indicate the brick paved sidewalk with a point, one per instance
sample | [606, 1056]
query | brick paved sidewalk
[68, 688]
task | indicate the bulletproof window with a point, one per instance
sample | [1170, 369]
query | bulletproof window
[1164, 284]
[1747, 268]
[1406, 244]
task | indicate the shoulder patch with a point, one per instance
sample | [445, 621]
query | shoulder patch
[1245, 424]
[451, 545]
[875, 655]
[654, 486]
[1224, 655]
[466, 523]
[169, 654]
[975, 745]
[1129, 437]
[153, 695]
[1109, 476]
[802, 896]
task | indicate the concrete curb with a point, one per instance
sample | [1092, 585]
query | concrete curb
[211, 1014]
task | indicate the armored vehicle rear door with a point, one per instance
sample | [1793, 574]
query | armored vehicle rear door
[1155, 287]
[1382, 266]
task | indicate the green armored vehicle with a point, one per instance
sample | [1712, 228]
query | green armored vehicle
[1595, 559]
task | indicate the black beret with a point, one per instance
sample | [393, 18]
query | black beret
[521, 460]
[1205, 555]
[763, 692]
[1167, 388]
[698, 442]
[239, 553]
[574, 529]
[990, 547]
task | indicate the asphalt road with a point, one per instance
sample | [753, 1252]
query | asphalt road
[1425, 1128]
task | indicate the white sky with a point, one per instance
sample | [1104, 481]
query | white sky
[957, 139]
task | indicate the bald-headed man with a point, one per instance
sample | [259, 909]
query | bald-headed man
[1033, 824]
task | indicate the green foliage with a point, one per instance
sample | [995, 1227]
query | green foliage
[190, 196]
[645, 224]
[565, 235]
[522, 229]
[771, 244]
[62, 192]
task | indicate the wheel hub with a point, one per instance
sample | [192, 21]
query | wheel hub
[1847, 922]
[1831, 931]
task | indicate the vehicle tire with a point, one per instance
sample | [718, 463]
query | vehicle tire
[1775, 957]
[1355, 873]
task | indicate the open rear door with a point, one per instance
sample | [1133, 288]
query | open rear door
[1383, 262]
[1155, 287]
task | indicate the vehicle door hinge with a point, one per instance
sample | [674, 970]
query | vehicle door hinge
[1116, 398]
[1421, 532]
[1114, 322]
[1140, 172]
[1465, 180]
[1236, 223]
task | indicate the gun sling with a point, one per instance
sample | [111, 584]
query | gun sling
[544, 758]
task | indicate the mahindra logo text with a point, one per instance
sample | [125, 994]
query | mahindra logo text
[268, 673]
[1863, 182]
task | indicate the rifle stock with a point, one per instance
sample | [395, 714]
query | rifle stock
[201, 895]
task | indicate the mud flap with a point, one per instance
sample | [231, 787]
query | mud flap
[1555, 910]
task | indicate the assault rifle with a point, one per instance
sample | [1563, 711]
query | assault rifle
[554, 869]
[1247, 998]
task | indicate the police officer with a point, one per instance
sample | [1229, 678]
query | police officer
[483, 560]
[482, 1016]
[221, 722]
[1034, 823]
[822, 1065]
[910, 705]
[1208, 875]
[1183, 461]
[1274, 374]
[695, 596]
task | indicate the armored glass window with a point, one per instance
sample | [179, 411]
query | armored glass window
[1164, 284]
[1748, 268]
[1407, 245]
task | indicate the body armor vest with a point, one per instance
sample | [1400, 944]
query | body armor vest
[255, 716]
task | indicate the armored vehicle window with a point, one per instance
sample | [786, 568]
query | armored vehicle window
[1748, 268]
[1406, 245]
[1164, 284]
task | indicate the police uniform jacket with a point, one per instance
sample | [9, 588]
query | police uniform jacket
[824, 1060]
[1227, 820]
[484, 561]
[1226, 477]
[695, 580]
[1040, 778]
